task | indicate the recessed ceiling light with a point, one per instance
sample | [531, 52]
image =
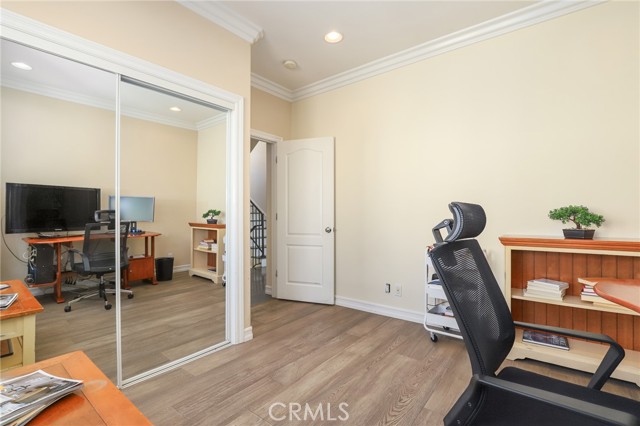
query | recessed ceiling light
[290, 64]
[175, 109]
[22, 66]
[333, 37]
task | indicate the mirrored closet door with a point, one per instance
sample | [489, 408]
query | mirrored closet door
[172, 165]
[58, 154]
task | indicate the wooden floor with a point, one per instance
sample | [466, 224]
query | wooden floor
[387, 371]
[160, 324]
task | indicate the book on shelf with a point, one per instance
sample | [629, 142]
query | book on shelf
[7, 299]
[548, 283]
[545, 339]
[23, 397]
[538, 294]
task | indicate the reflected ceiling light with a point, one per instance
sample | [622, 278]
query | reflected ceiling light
[175, 109]
[333, 37]
[22, 66]
[290, 64]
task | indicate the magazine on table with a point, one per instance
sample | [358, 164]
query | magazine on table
[7, 299]
[22, 397]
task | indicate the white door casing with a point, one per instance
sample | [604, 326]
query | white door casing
[305, 220]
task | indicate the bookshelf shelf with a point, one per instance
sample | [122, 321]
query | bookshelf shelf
[528, 258]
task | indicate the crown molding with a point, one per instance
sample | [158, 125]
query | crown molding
[531, 15]
[272, 88]
[225, 18]
[210, 122]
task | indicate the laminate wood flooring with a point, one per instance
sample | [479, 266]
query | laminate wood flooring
[160, 324]
[386, 371]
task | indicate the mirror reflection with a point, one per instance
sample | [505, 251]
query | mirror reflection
[172, 171]
[59, 131]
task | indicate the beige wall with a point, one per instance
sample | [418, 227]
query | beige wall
[73, 145]
[532, 120]
[270, 114]
[211, 186]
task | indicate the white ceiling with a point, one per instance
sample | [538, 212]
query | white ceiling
[371, 29]
[378, 35]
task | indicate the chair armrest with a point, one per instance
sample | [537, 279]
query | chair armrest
[85, 259]
[611, 359]
[604, 414]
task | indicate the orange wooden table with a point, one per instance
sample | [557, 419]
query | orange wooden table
[624, 292]
[19, 321]
[99, 402]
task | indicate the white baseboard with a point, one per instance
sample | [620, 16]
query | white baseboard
[181, 268]
[374, 308]
[248, 334]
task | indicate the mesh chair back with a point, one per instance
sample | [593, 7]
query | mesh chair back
[474, 295]
[100, 247]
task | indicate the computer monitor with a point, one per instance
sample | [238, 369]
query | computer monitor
[134, 209]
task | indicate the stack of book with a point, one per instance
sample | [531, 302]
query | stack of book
[24, 397]
[6, 300]
[544, 288]
[209, 245]
[588, 294]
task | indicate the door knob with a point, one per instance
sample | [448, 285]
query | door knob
[327, 230]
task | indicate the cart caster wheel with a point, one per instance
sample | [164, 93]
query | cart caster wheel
[130, 296]
[107, 306]
[67, 308]
[445, 328]
[434, 338]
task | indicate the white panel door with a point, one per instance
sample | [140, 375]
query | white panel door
[305, 220]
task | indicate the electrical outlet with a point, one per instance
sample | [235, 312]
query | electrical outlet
[398, 292]
[387, 288]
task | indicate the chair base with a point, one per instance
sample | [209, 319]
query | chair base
[102, 293]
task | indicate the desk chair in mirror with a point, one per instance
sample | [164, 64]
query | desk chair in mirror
[98, 258]
[511, 395]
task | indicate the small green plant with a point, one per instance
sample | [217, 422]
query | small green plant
[211, 213]
[580, 216]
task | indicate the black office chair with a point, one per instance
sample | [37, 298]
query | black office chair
[98, 258]
[512, 396]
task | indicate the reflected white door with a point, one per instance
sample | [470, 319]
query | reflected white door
[305, 220]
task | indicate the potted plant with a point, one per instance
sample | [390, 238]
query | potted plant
[581, 217]
[211, 215]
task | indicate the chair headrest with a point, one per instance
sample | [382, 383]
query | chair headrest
[469, 221]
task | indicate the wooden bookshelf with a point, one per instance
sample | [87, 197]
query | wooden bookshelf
[207, 263]
[566, 260]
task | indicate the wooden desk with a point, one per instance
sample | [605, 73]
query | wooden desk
[624, 292]
[19, 321]
[139, 267]
[99, 402]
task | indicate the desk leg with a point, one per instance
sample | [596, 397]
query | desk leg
[58, 285]
[154, 281]
[29, 340]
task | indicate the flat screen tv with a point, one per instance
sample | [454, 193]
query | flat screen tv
[47, 208]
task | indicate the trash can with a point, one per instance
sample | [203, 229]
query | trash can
[164, 268]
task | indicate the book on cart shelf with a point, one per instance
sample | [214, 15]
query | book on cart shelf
[545, 339]
[23, 397]
[7, 299]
